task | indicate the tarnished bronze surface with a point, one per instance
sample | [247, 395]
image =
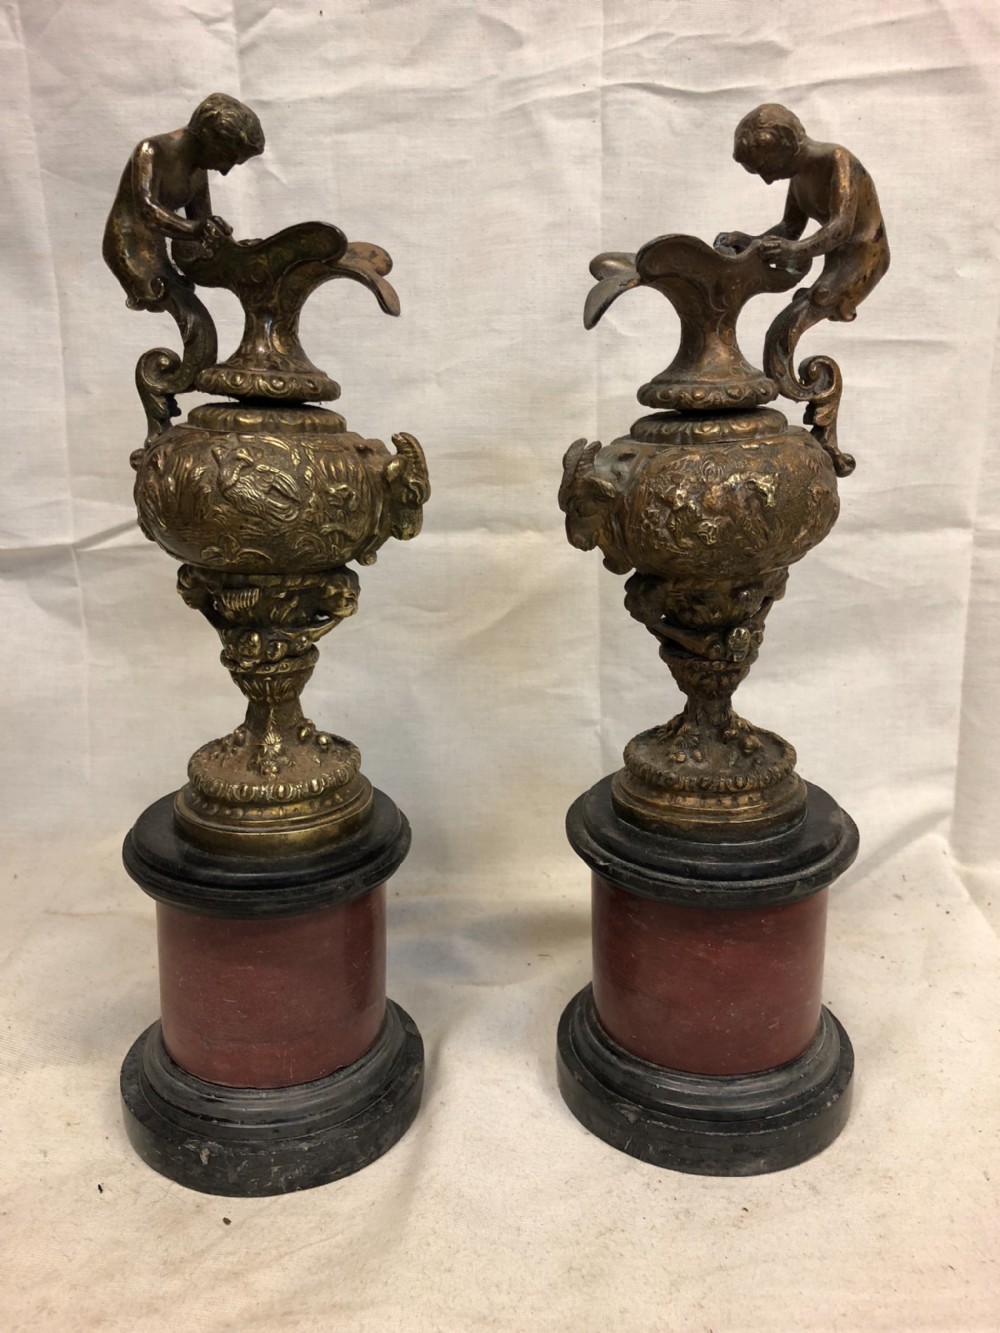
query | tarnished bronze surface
[828, 185]
[266, 498]
[711, 499]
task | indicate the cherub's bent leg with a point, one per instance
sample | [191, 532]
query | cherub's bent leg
[160, 374]
[847, 278]
[783, 338]
[818, 383]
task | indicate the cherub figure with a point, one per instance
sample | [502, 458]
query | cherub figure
[165, 174]
[830, 186]
[164, 196]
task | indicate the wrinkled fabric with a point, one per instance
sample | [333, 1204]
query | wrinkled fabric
[492, 673]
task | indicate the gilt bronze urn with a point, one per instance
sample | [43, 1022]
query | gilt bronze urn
[278, 1063]
[702, 1043]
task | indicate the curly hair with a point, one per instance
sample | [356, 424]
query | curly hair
[769, 126]
[231, 121]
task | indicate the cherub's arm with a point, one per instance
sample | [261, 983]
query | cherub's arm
[143, 187]
[790, 228]
[199, 210]
[792, 224]
[841, 206]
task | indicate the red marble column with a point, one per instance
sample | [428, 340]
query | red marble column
[270, 1003]
[708, 990]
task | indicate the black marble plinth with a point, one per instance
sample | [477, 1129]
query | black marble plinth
[250, 1142]
[741, 1125]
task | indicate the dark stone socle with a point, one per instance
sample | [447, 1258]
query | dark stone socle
[742, 1125]
[250, 1142]
[278, 1064]
[702, 1044]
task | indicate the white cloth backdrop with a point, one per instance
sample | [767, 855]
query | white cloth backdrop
[493, 147]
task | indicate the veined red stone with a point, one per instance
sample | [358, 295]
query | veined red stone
[271, 1003]
[708, 990]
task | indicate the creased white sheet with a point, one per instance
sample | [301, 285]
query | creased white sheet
[491, 674]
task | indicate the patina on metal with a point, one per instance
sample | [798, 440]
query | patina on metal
[266, 497]
[713, 496]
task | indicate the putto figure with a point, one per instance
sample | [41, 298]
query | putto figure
[827, 184]
[166, 174]
[163, 196]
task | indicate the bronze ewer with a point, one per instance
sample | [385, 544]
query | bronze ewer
[709, 502]
[266, 497]
[710, 854]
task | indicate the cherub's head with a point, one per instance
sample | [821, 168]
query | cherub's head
[768, 141]
[228, 132]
